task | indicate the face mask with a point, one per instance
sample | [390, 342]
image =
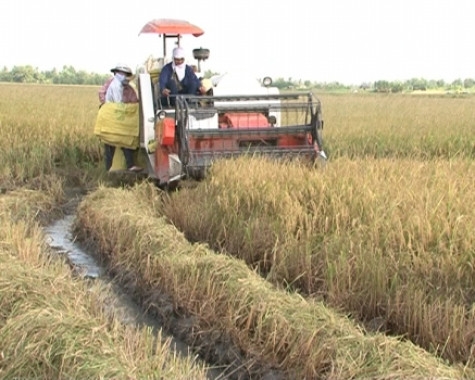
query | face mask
[122, 78]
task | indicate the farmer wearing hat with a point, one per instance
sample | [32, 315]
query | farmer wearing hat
[176, 78]
[128, 92]
[118, 90]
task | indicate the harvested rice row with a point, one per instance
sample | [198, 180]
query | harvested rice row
[230, 304]
[55, 327]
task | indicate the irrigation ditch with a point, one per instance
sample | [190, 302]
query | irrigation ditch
[219, 356]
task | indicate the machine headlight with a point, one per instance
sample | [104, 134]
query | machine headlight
[267, 81]
[272, 120]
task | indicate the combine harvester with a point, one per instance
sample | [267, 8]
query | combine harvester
[239, 116]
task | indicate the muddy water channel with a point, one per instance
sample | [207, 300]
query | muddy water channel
[61, 240]
[84, 265]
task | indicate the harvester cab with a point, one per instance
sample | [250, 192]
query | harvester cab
[237, 116]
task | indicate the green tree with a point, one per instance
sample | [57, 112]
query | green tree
[396, 86]
[418, 84]
[23, 74]
[67, 75]
[382, 86]
[468, 83]
[5, 75]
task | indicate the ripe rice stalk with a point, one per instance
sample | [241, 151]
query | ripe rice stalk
[271, 327]
[44, 127]
[398, 125]
[48, 331]
[355, 235]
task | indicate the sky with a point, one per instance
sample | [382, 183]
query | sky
[349, 41]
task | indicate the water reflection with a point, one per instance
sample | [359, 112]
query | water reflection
[60, 238]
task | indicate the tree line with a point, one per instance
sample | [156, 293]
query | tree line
[384, 86]
[69, 75]
[420, 84]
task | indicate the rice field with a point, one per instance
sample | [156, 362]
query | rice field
[399, 126]
[363, 269]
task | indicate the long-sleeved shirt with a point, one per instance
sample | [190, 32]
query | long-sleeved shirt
[103, 90]
[116, 92]
[189, 84]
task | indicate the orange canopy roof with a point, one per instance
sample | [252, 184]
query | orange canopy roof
[170, 26]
